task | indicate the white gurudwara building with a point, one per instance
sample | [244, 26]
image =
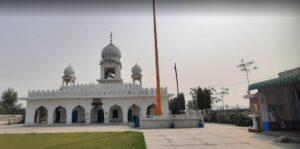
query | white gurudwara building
[108, 101]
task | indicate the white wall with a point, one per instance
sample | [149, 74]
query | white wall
[86, 103]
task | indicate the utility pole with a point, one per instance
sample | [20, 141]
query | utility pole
[223, 92]
[246, 66]
[158, 110]
[176, 79]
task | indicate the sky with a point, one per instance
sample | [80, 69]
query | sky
[206, 39]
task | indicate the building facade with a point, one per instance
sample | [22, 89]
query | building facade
[276, 104]
[107, 101]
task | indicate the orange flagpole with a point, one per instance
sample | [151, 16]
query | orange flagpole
[158, 110]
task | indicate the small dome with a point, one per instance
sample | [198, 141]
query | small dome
[111, 52]
[136, 69]
[69, 71]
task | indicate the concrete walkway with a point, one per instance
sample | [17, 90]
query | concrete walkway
[213, 136]
[13, 129]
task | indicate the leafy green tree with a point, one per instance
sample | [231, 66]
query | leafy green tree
[181, 102]
[207, 98]
[202, 97]
[197, 94]
[177, 104]
[8, 103]
[192, 105]
[172, 106]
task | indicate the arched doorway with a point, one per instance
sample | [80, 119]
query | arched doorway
[41, 115]
[78, 115]
[151, 110]
[97, 114]
[133, 115]
[60, 115]
[115, 114]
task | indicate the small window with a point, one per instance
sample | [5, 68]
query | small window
[109, 73]
[115, 113]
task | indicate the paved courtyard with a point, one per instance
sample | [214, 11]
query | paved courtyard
[213, 136]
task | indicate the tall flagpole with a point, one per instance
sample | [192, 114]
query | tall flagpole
[158, 110]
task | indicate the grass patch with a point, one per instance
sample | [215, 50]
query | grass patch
[85, 140]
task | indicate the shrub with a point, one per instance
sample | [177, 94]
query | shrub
[238, 119]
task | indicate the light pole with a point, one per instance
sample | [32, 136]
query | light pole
[247, 66]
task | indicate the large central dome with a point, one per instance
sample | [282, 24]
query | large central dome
[111, 52]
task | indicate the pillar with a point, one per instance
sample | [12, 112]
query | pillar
[69, 114]
[106, 114]
[88, 114]
[50, 111]
[30, 113]
[124, 109]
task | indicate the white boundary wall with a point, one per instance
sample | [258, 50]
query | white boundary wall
[179, 122]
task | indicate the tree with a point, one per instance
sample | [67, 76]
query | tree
[202, 97]
[181, 101]
[8, 103]
[218, 95]
[173, 106]
[197, 96]
[207, 98]
[192, 105]
[177, 104]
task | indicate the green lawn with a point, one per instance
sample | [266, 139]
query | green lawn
[86, 140]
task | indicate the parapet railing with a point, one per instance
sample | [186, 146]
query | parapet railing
[97, 90]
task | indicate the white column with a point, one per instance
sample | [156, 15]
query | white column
[69, 114]
[106, 113]
[124, 112]
[50, 111]
[255, 126]
[30, 113]
[88, 114]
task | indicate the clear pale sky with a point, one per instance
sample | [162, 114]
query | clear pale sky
[206, 40]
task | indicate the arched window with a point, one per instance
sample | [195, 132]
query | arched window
[151, 110]
[115, 114]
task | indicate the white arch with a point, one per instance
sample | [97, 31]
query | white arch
[151, 110]
[97, 114]
[133, 110]
[41, 115]
[60, 115]
[78, 114]
[115, 114]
